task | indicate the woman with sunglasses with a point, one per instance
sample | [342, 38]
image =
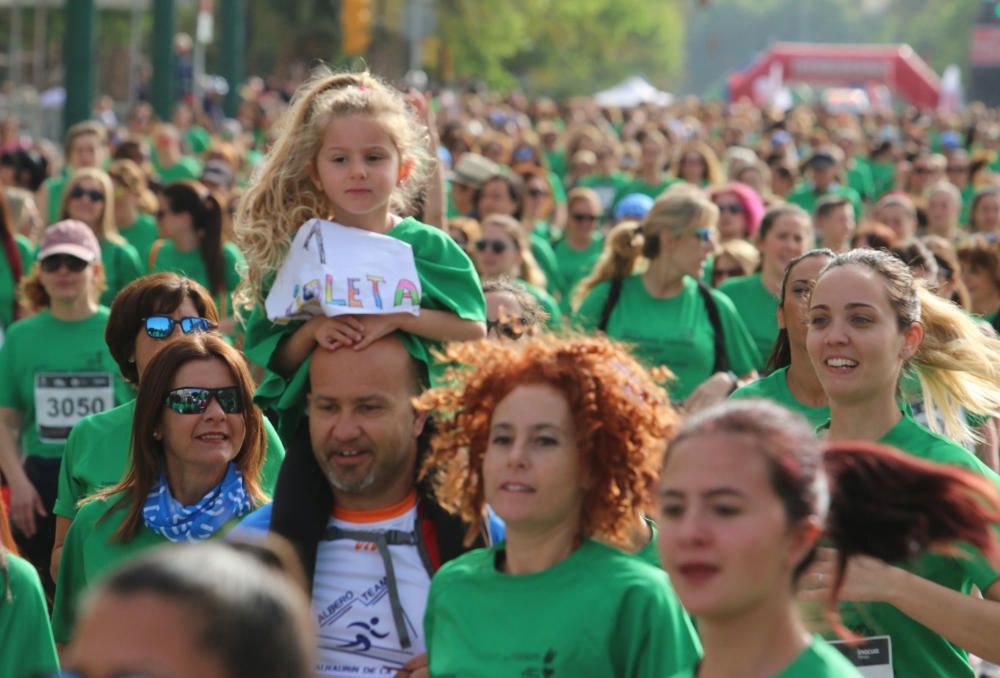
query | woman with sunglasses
[581, 244]
[134, 206]
[89, 197]
[147, 316]
[647, 292]
[740, 211]
[503, 251]
[54, 370]
[190, 218]
[871, 326]
[197, 454]
[791, 380]
[785, 233]
[561, 438]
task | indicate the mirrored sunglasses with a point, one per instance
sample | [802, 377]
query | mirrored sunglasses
[162, 326]
[192, 400]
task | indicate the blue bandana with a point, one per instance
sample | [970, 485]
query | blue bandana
[168, 517]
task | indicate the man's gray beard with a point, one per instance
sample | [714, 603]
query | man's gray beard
[355, 487]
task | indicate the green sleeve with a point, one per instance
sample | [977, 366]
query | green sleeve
[273, 456]
[558, 191]
[9, 395]
[448, 279]
[232, 258]
[740, 348]
[26, 644]
[545, 256]
[72, 579]
[654, 633]
[68, 492]
[588, 315]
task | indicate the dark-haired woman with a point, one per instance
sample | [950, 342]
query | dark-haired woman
[190, 218]
[791, 380]
[785, 233]
[197, 453]
[868, 322]
[747, 490]
[147, 316]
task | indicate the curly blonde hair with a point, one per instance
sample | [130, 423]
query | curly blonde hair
[622, 419]
[283, 196]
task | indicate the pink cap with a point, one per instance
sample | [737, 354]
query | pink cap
[70, 237]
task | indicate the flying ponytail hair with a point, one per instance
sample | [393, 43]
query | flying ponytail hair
[958, 366]
[619, 259]
[195, 199]
[873, 500]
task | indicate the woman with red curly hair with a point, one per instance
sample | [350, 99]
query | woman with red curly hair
[561, 438]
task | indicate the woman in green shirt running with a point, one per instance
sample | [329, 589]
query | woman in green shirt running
[197, 452]
[791, 380]
[746, 492]
[560, 437]
[868, 321]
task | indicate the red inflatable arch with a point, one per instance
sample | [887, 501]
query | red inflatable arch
[896, 66]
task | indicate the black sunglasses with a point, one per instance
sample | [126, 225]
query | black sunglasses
[732, 207]
[513, 328]
[162, 326]
[537, 193]
[194, 400]
[498, 246]
[53, 263]
[584, 217]
[93, 194]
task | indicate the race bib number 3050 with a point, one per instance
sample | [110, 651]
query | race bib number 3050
[62, 399]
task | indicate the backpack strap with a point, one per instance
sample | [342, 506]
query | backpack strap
[609, 304]
[721, 363]
[154, 252]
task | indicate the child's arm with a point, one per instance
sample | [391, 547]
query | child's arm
[431, 324]
[330, 333]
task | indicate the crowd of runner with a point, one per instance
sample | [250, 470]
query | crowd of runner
[689, 390]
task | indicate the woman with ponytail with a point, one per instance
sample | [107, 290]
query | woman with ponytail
[646, 291]
[870, 326]
[746, 492]
[15, 262]
[191, 219]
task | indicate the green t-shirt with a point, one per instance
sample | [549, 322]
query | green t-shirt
[774, 387]
[806, 197]
[122, 265]
[574, 266]
[56, 186]
[8, 291]
[26, 644]
[186, 168]
[759, 310]
[675, 332]
[917, 650]
[63, 367]
[650, 553]
[547, 303]
[198, 139]
[884, 176]
[191, 264]
[541, 249]
[448, 281]
[606, 187]
[141, 235]
[97, 455]
[861, 180]
[640, 186]
[599, 612]
[819, 660]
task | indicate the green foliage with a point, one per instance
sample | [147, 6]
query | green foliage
[562, 47]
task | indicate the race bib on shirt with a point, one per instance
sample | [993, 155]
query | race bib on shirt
[64, 398]
[872, 656]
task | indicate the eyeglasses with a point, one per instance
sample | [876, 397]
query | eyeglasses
[498, 246]
[53, 263]
[731, 207]
[79, 192]
[583, 217]
[511, 328]
[704, 235]
[193, 400]
[162, 326]
[722, 273]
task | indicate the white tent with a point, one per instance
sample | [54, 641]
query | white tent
[632, 92]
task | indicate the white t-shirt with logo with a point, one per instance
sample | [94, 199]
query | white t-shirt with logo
[357, 633]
